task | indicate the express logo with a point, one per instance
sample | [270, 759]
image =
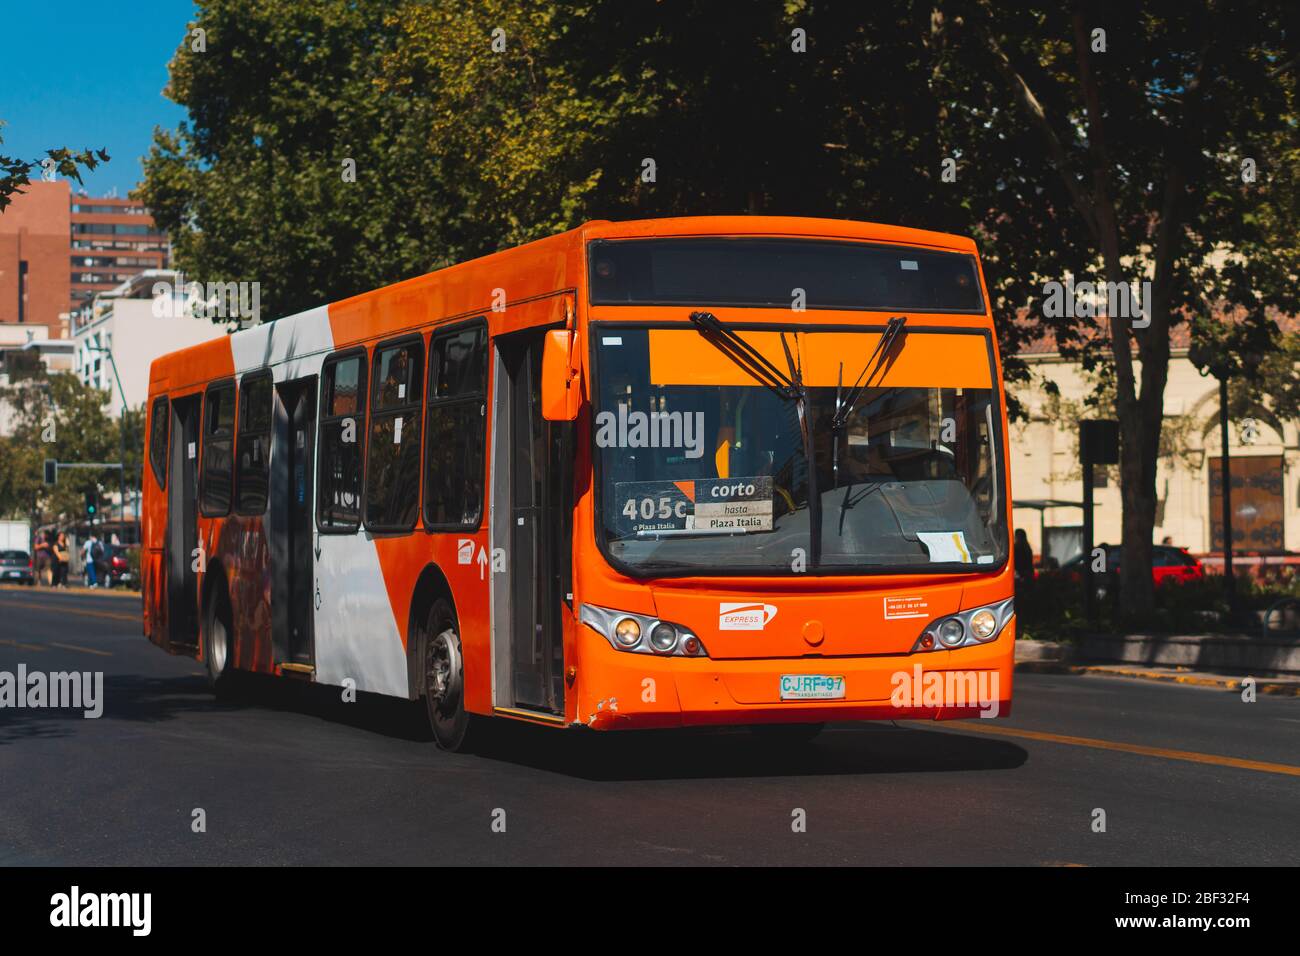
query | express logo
[744, 617]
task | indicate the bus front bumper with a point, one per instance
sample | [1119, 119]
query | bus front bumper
[619, 690]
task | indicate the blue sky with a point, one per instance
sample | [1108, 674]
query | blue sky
[89, 74]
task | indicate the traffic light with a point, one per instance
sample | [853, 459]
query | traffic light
[92, 504]
[51, 471]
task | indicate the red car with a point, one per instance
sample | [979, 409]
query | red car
[1167, 564]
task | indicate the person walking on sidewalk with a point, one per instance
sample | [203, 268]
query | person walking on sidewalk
[44, 554]
[92, 552]
[61, 558]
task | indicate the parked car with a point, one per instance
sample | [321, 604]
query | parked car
[116, 567]
[17, 566]
[1167, 564]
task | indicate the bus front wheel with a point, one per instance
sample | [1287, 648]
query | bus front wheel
[443, 674]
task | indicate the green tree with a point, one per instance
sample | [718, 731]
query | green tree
[16, 173]
[1164, 128]
[55, 416]
[476, 124]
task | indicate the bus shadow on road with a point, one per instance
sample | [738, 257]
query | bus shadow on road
[699, 754]
[866, 748]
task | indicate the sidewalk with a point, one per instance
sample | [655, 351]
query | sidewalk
[78, 588]
[1049, 657]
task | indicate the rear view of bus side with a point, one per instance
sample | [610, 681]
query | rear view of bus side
[707, 471]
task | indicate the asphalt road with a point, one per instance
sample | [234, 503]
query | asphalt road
[288, 774]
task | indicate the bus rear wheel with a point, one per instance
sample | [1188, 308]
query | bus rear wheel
[443, 680]
[216, 642]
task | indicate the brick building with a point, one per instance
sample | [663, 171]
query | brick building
[59, 248]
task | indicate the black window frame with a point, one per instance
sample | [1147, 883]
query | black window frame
[414, 410]
[206, 440]
[322, 419]
[159, 474]
[241, 412]
[432, 404]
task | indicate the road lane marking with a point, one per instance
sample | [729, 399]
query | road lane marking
[1190, 756]
[70, 610]
[77, 647]
[19, 644]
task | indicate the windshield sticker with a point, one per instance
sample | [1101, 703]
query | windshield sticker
[901, 607]
[744, 617]
[946, 546]
[707, 505]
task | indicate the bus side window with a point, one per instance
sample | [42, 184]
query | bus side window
[392, 495]
[252, 472]
[218, 450]
[456, 430]
[341, 433]
[159, 427]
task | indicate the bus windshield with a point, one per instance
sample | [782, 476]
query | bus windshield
[702, 469]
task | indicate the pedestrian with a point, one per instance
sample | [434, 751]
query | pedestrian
[1167, 541]
[1024, 557]
[44, 555]
[61, 557]
[91, 552]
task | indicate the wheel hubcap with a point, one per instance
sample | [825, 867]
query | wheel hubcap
[218, 646]
[444, 671]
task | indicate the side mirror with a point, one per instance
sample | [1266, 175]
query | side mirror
[561, 385]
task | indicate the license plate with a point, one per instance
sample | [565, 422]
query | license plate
[811, 687]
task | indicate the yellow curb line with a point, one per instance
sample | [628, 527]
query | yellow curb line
[115, 593]
[1264, 686]
[1187, 755]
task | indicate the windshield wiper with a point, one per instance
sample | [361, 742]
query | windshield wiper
[844, 404]
[727, 341]
[875, 363]
[788, 386]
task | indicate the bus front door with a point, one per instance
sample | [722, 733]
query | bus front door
[532, 489]
[182, 525]
[292, 524]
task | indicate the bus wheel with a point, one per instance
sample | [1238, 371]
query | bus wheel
[787, 734]
[216, 642]
[444, 680]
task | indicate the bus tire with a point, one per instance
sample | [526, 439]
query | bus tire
[787, 734]
[442, 680]
[217, 637]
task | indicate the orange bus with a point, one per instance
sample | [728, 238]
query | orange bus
[668, 473]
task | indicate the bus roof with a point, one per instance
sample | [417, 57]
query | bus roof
[534, 269]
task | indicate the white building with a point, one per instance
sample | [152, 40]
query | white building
[136, 328]
[23, 348]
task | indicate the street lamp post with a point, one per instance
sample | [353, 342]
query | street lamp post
[121, 432]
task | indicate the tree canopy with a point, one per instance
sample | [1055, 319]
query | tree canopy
[1097, 140]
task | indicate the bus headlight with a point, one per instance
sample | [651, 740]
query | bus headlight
[983, 624]
[663, 637]
[627, 632]
[952, 632]
[979, 625]
[640, 634]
